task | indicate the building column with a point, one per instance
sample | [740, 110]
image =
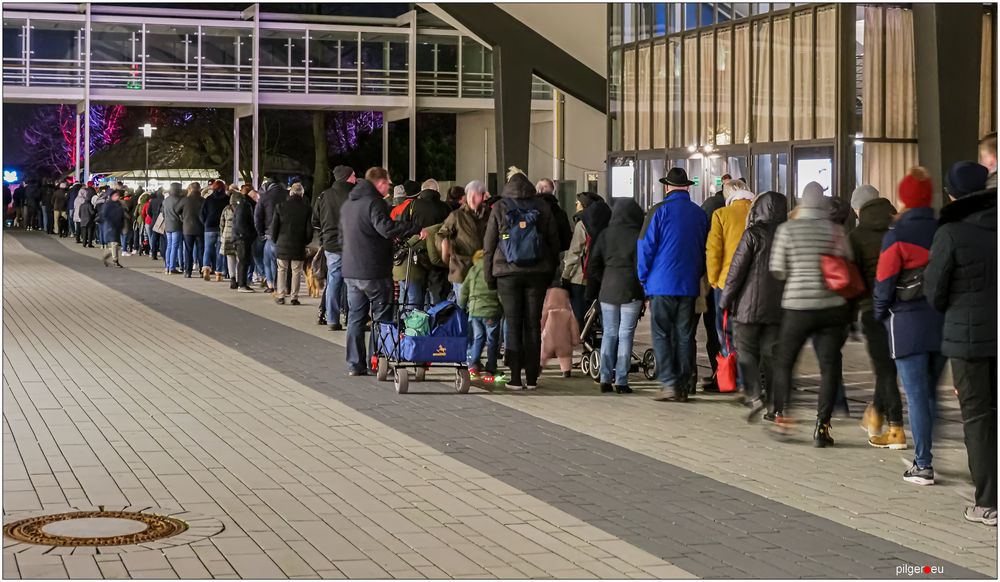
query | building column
[558, 135]
[512, 110]
[947, 46]
[385, 142]
[845, 167]
[86, 98]
[255, 105]
[236, 146]
[76, 143]
[411, 83]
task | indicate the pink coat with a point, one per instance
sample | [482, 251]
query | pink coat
[560, 331]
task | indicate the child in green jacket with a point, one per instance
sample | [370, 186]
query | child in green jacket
[483, 307]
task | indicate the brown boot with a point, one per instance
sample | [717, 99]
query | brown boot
[871, 421]
[218, 277]
[206, 272]
[894, 438]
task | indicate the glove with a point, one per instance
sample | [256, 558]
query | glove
[565, 283]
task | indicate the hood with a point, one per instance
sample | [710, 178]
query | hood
[234, 198]
[519, 187]
[596, 217]
[175, 189]
[840, 210]
[876, 214]
[553, 201]
[362, 189]
[741, 194]
[556, 298]
[429, 195]
[769, 208]
[627, 213]
[979, 209]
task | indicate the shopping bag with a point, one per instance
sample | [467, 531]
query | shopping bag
[842, 276]
[725, 374]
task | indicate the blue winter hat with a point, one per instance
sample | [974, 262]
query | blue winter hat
[966, 177]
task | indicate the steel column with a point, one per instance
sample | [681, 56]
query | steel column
[385, 142]
[359, 62]
[199, 57]
[143, 81]
[412, 89]
[236, 146]
[306, 64]
[27, 52]
[76, 143]
[86, 98]
[255, 100]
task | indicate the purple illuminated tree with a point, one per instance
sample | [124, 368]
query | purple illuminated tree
[50, 136]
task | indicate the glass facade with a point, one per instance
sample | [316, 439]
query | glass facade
[751, 90]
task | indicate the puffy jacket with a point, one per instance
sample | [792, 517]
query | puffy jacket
[612, 276]
[875, 216]
[518, 192]
[464, 229]
[751, 294]
[476, 298]
[593, 220]
[211, 210]
[914, 326]
[77, 204]
[796, 255]
[112, 221]
[671, 248]
[292, 229]
[227, 244]
[561, 220]
[961, 277]
[428, 209]
[269, 199]
[189, 209]
[243, 223]
[713, 203]
[71, 196]
[171, 209]
[367, 234]
[728, 224]
[86, 212]
[328, 215]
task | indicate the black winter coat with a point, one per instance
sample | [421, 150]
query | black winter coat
[561, 221]
[866, 243]
[269, 199]
[713, 203]
[211, 210]
[243, 228]
[519, 191]
[961, 277]
[87, 212]
[328, 215]
[292, 229]
[189, 210]
[752, 295]
[428, 209]
[59, 200]
[112, 220]
[155, 206]
[367, 234]
[612, 271]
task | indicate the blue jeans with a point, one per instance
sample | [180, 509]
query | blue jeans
[717, 293]
[46, 213]
[618, 324]
[456, 288]
[258, 257]
[193, 244]
[334, 286]
[175, 246]
[485, 330]
[671, 322]
[412, 294]
[365, 296]
[210, 256]
[270, 263]
[920, 374]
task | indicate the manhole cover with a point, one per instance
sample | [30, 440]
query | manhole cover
[110, 530]
[94, 528]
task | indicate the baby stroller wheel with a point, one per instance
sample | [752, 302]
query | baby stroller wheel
[585, 362]
[595, 364]
[462, 380]
[382, 372]
[420, 373]
[402, 380]
[649, 364]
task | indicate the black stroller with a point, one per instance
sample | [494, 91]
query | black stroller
[590, 336]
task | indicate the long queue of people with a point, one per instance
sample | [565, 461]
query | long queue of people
[763, 276]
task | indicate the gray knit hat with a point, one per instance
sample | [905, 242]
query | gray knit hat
[862, 194]
[813, 197]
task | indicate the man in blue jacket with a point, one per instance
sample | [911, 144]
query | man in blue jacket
[671, 257]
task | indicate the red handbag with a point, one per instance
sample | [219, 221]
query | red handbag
[842, 276]
[725, 373]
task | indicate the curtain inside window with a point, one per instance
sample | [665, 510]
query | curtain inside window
[645, 91]
[986, 82]
[761, 82]
[628, 96]
[802, 76]
[674, 92]
[689, 91]
[901, 96]
[724, 87]
[659, 95]
[871, 90]
[782, 86]
[884, 165]
[615, 107]
[706, 91]
[741, 84]
[826, 75]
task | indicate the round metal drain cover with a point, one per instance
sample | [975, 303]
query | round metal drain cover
[111, 530]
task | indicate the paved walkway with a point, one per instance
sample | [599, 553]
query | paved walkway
[232, 407]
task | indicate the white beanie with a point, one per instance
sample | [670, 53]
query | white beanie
[862, 194]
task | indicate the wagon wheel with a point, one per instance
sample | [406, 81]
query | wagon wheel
[382, 373]
[402, 380]
[585, 363]
[420, 373]
[649, 364]
[595, 365]
[462, 380]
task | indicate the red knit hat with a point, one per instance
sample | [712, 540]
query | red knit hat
[915, 191]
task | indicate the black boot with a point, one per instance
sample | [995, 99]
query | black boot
[821, 436]
[606, 388]
[623, 389]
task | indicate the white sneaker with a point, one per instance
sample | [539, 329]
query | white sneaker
[531, 387]
[514, 387]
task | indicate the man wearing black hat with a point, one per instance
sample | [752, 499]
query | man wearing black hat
[326, 219]
[671, 263]
[961, 280]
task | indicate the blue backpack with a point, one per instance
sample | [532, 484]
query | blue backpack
[519, 239]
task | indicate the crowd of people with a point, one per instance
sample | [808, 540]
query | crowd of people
[766, 273]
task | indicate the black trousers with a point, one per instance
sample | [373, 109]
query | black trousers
[828, 330]
[887, 400]
[88, 233]
[976, 381]
[756, 344]
[244, 258]
[522, 296]
[712, 345]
